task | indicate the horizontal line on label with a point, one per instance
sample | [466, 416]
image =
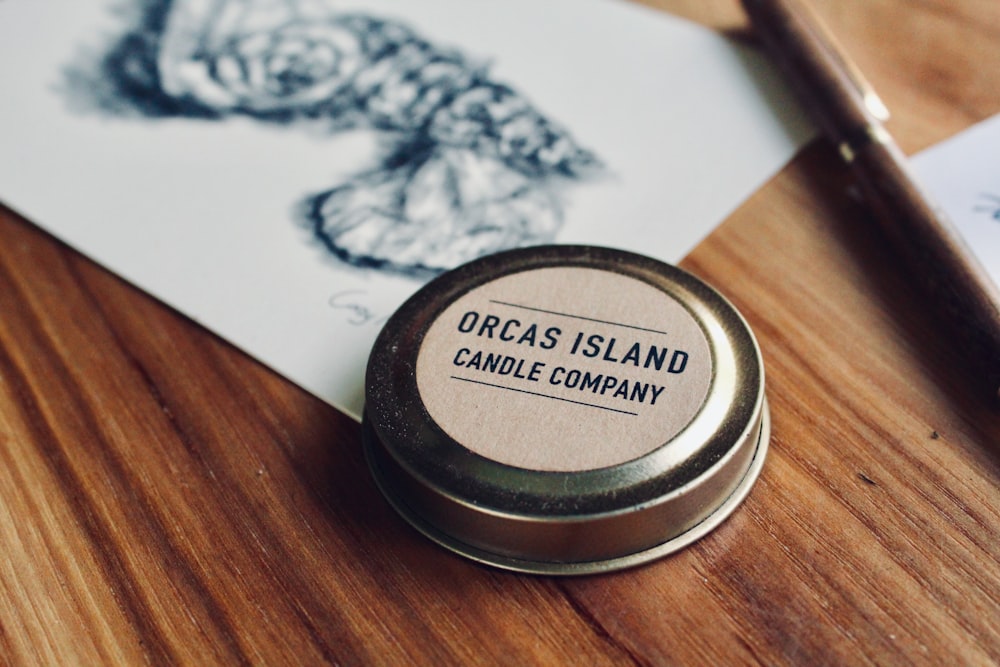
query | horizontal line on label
[577, 317]
[554, 398]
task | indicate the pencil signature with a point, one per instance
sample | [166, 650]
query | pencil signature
[357, 313]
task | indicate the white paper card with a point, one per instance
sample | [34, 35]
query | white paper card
[286, 172]
[963, 176]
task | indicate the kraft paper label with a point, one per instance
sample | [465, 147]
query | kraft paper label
[564, 369]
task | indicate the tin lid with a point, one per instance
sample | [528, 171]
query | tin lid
[565, 409]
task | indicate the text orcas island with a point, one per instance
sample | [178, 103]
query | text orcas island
[609, 349]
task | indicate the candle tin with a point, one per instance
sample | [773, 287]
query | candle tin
[565, 409]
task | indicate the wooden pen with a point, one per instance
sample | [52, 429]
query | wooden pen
[850, 116]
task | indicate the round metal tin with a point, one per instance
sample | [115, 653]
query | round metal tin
[565, 409]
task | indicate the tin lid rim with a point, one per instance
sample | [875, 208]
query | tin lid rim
[670, 545]
[404, 332]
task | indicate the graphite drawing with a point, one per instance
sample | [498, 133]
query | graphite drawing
[992, 207]
[467, 165]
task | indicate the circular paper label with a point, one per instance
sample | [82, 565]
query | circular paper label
[564, 369]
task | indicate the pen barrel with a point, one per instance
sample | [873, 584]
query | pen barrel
[815, 69]
[939, 261]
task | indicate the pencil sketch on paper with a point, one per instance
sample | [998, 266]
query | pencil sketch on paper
[467, 166]
[992, 207]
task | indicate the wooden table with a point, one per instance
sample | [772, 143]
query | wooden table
[165, 499]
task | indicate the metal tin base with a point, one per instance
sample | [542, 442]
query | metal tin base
[673, 544]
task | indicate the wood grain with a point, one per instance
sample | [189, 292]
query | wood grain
[164, 499]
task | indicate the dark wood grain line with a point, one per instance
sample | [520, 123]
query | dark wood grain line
[6, 649]
[157, 644]
[750, 648]
[116, 574]
[595, 625]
